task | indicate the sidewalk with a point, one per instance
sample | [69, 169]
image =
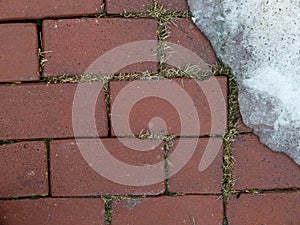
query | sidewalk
[47, 176]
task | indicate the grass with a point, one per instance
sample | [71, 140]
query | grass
[193, 72]
[228, 139]
[108, 209]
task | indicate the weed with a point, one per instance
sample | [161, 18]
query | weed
[108, 209]
[193, 72]
[43, 60]
[228, 139]
[221, 70]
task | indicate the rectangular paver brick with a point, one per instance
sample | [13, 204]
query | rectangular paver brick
[45, 111]
[202, 210]
[72, 175]
[74, 44]
[52, 211]
[256, 166]
[23, 169]
[190, 179]
[135, 6]
[144, 104]
[19, 59]
[270, 208]
[185, 34]
[35, 9]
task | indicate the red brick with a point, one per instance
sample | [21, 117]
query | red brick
[256, 166]
[190, 179]
[50, 211]
[186, 34]
[74, 44]
[35, 9]
[23, 169]
[151, 106]
[120, 6]
[71, 175]
[168, 210]
[271, 208]
[18, 52]
[241, 125]
[44, 111]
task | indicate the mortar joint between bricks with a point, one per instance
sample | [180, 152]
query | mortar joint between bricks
[48, 172]
[41, 52]
[153, 136]
[108, 210]
[189, 71]
[256, 191]
[229, 137]
[33, 196]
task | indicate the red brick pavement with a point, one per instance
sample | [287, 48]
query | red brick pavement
[50, 211]
[43, 111]
[143, 111]
[270, 208]
[19, 52]
[23, 169]
[71, 175]
[35, 9]
[74, 44]
[168, 210]
[44, 178]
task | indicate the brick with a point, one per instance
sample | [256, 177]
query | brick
[270, 208]
[168, 210]
[120, 6]
[241, 125]
[185, 33]
[19, 59]
[143, 112]
[50, 211]
[45, 111]
[71, 175]
[23, 169]
[256, 166]
[35, 9]
[74, 44]
[190, 179]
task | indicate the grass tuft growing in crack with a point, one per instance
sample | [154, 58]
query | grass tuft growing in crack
[228, 139]
[169, 141]
[77, 78]
[221, 70]
[193, 72]
[184, 72]
[108, 209]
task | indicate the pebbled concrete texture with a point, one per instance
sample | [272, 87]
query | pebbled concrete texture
[260, 41]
